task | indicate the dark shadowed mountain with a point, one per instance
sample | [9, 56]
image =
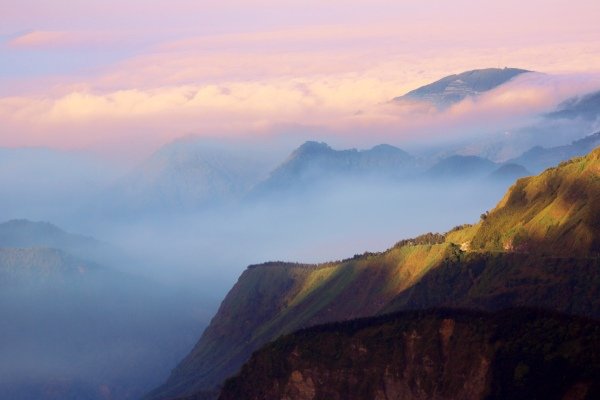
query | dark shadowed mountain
[455, 88]
[436, 354]
[539, 247]
[313, 165]
[538, 158]
[585, 107]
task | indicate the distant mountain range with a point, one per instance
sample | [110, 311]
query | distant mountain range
[314, 163]
[183, 179]
[540, 247]
[455, 88]
[317, 167]
[186, 174]
[193, 173]
[538, 158]
[585, 107]
[73, 328]
[569, 121]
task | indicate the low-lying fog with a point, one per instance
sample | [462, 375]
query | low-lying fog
[210, 249]
[181, 227]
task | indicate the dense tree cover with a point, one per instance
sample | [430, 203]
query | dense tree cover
[526, 353]
[428, 238]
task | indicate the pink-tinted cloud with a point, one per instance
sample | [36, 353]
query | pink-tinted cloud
[41, 39]
[84, 40]
[238, 66]
[344, 105]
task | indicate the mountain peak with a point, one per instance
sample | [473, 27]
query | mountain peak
[454, 88]
[316, 163]
[311, 146]
[387, 149]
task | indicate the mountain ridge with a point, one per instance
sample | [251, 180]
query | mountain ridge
[486, 263]
[455, 88]
[316, 163]
[539, 158]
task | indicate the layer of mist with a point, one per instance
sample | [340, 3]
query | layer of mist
[109, 313]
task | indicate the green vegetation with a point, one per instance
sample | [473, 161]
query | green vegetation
[555, 213]
[427, 238]
[539, 248]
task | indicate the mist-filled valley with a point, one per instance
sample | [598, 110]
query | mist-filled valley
[110, 270]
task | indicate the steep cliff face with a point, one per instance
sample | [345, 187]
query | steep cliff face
[277, 298]
[537, 248]
[516, 354]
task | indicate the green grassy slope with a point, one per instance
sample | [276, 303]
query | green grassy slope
[538, 247]
[277, 298]
[556, 212]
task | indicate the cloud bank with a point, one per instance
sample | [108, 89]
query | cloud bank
[88, 77]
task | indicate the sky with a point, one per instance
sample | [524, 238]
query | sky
[113, 76]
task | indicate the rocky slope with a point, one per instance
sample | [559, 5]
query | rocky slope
[538, 248]
[515, 354]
